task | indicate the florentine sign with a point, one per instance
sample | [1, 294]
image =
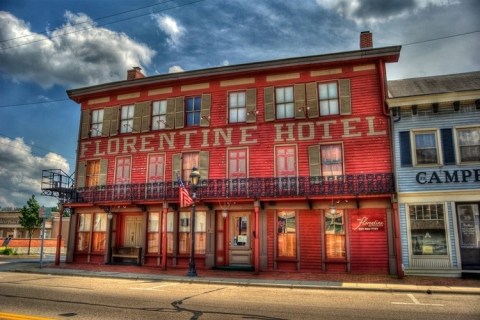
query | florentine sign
[369, 223]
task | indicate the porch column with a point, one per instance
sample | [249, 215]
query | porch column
[255, 239]
[164, 235]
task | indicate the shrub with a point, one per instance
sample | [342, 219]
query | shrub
[7, 251]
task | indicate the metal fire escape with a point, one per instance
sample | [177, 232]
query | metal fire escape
[58, 184]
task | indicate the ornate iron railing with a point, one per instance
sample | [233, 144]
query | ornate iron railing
[248, 188]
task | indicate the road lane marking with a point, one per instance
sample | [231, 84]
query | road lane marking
[153, 288]
[417, 303]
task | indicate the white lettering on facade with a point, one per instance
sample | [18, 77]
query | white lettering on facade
[113, 143]
[326, 128]
[227, 137]
[144, 147]
[129, 144]
[347, 128]
[310, 131]
[280, 132]
[245, 136]
[187, 135]
[365, 225]
[98, 151]
[371, 128]
[84, 148]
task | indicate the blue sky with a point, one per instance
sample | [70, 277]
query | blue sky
[49, 46]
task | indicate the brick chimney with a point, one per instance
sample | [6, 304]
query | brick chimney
[366, 40]
[135, 73]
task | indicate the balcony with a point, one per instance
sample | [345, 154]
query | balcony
[249, 188]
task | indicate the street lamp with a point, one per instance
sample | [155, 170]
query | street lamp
[194, 179]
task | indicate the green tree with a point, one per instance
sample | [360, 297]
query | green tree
[29, 218]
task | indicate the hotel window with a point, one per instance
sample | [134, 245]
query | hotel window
[83, 233]
[328, 98]
[286, 234]
[335, 235]
[425, 146]
[99, 232]
[189, 160]
[170, 232]
[193, 106]
[286, 161]
[153, 234]
[331, 156]
[159, 115]
[97, 123]
[93, 173]
[469, 144]
[156, 168]
[284, 103]
[237, 163]
[184, 232]
[126, 123]
[122, 170]
[237, 109]
[427, 229]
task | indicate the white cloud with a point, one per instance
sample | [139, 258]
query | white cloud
[171, 27]
[175, 69]
[67, 56]
[373, 11]
[21, 171]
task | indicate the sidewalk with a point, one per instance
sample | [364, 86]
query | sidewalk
[291, 280]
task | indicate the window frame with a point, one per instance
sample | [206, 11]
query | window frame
[159, 115]
[96, 126]
[339, 238]
[195, 112]
[83, 233]
[239, 109]
[154, 233]
[412, 244]
[285, 248]
[189, 160]
[328, 99]
[238, 174]
[184, 236]
[126, 118]
[458, 145]
[323, 163]
[121, 167]
[159, 168]
[92, 173]
[436, 135]
[288, 106]
[99, 232]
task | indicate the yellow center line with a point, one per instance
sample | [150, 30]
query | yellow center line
[15, 316]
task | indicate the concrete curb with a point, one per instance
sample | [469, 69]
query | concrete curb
[287, 284]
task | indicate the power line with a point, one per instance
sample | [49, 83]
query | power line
[99, 25]
[440, 38]
[33, 103]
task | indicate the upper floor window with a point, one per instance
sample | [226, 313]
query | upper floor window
[331, 156]
[189, 160]
[97, 123]
[328, 98]
[159, 115]
[156, 168]
[237, 108]
[469, 144]
[193, 106]
[92, 173]
[284, 103]
[122, 170]
[286, 161]
[237, 163]
[425, 146]
[126, 123]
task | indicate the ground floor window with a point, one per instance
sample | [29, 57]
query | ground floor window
[184, 232]
[286, 234]
[99, 232]
[83, 234]
[153, 234]
[335, 234]
[427, 229]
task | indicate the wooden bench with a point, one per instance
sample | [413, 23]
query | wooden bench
[125, 254]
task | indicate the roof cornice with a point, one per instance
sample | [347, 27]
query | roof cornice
[389, 54]
[433, 98]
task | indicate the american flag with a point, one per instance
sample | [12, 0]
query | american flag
[184, 196]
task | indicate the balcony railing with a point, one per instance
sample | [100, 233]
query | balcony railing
[248, 188]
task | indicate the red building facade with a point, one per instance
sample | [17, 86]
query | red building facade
[294, 157]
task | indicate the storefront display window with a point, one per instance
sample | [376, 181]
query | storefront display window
[335, 235]
[153, 236]
[469, 225]
[286, 234]
[83, 234]
[427, 229]
[99, 232]
[184, 232]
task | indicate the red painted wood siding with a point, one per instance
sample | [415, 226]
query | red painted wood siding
[310, 238]
[368, 249]
[368, 153]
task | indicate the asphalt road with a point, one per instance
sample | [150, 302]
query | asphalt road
[66, 297]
